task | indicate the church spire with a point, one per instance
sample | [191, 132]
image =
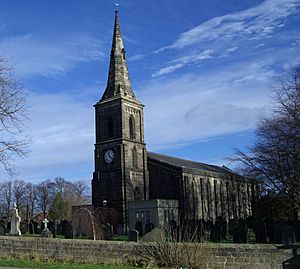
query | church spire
[118, 84]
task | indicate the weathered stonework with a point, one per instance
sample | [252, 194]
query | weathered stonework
[119, 128]
[204, 192]
[217, 256]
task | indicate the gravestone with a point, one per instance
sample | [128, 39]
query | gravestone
[31, 227]
[2, 230]
[58, 227]
[149, 227]
[52, 228]
[68, 229]
[107, 231]
[232, 225]
[133, 235]
[46, 232]
[139, 227]
[243, 231]
[173, 230]
[240, 232]
[260, 231]
[216, 232]
[24, 227]
[292, 263]
[270, 224]
[15, 222]
[277, 233]
[287, 235]
[296, 226]
[200, 230]
[224, 229]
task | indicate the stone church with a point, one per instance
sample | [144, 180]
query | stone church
[141, 186]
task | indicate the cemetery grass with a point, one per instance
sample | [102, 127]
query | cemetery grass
[58, 265]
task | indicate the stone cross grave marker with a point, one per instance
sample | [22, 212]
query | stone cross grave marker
[45, 221]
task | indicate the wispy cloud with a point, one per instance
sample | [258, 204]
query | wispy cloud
[167, 70]
[61, 140]
[191, 108]
[226, 34]
[136, 57]
[49, 57]
[256, 22]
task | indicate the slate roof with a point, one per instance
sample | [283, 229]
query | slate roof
[182, 163]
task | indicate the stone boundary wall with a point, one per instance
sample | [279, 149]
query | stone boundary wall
[218, 256]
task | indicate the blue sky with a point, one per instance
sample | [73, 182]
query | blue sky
[204, 70]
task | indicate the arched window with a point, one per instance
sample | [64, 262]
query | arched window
[137, 194]
[134, 158]
[131, 128]
[110, 127]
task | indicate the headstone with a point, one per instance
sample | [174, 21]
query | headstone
[287, 235]
[68, 228]
[2, 230]
[52, 228]
[216, 232]
[58, 227]
[139, 227]
[292, 263]
[31, 227]
[200, 230]
[15, 222]
[296, 226]
[260, 231]
[232, 225]
[149, 227]
[107, 232]
[270, 224]
[173, 230]
[24, 227]
[133, 235]
[243, 231]
[46, 232]
[240, 232]
[156, 235]
[224, 229]
[277, 233]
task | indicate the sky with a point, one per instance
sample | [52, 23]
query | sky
[204, 69]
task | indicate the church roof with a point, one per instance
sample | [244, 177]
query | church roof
[118, 83]
[183, 163]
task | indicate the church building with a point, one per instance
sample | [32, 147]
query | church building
[135, 183]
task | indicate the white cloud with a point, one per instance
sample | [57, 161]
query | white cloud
[192, 108]
[257, 22]
[194, 58]
[221, 36]
[167, 70]
[62, 131]
[36, 56]
[136, 57]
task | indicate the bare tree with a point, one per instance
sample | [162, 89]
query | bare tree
[44, 195]
[31, 197]
[19, 193]
[274, 158]
[13, 101]
[6, 199]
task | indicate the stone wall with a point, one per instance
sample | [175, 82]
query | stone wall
[218, 256]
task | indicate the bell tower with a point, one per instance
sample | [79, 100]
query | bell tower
[120, 155]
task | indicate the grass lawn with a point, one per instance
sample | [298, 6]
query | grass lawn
[56, 265]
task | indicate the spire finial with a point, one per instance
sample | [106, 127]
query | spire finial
[116, 4]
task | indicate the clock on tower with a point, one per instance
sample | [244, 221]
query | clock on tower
[121, 173]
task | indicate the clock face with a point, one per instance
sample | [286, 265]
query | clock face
[109, 156]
